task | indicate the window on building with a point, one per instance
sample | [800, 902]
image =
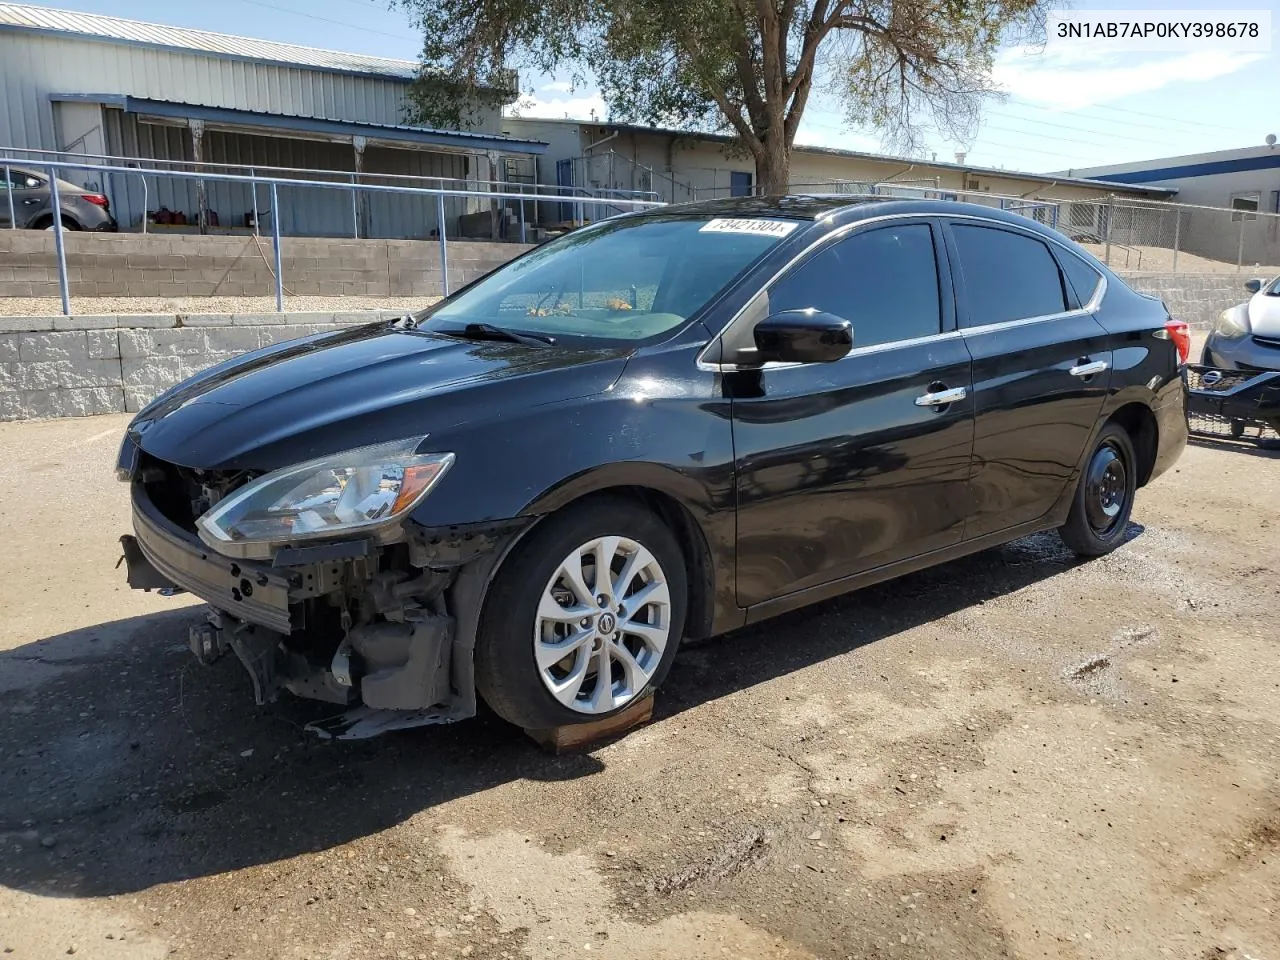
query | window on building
[883, 281]
[1007, 275]
[1246, 202]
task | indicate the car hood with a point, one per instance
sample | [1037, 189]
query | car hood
[323, 394]
[1264, 315]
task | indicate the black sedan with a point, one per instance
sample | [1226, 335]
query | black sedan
[666, 425]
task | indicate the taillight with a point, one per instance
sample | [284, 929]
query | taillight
[1180, 333]
[98, 199]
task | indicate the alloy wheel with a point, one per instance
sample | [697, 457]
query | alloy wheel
[602, 625]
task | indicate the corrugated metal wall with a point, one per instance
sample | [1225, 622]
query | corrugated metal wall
[313, 212]
[33, 66]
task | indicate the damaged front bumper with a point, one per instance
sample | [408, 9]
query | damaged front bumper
[387, 631]
[1223, 402]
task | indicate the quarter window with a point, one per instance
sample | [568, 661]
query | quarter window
[1007, 276]
[1083, 278]
[883, 281]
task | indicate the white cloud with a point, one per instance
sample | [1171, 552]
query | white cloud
[1073, 81]
[557, 86]
[557, 108]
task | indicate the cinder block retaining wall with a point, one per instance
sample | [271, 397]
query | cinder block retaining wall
[1197, 298]
[82, 366]
[180, 265]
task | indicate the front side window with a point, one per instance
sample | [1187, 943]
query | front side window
[884, 281]
[1007, 275]
[628, 279]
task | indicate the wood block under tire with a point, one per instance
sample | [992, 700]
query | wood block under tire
[574, 737]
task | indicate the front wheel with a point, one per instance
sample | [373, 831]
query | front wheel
[583, 618]
[1100, 510]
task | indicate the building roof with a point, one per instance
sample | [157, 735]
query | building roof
[1043, 178]
[1239, 160]
[16, 16]
[318, 127]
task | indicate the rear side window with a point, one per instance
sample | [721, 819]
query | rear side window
[883, 281]
[1083, 278]
[1007, 275]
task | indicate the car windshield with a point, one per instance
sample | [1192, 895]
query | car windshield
[626, 279]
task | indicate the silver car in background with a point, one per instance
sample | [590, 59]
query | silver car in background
[1247, 336]
[27, 193]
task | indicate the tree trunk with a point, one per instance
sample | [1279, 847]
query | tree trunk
[773, 168]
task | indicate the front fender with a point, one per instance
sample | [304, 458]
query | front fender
[668, 434]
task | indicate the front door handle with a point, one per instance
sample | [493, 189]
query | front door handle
[1088, 368]
[940, 398]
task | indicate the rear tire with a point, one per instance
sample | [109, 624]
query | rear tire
[1103, 502]
[618, 638]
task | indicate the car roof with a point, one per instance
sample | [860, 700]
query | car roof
[842, 208]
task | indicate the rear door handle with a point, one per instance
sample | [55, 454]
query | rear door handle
[941, 398]
[1089, 368]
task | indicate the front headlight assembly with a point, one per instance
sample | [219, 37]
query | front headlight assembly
[365, 490]
[1232, 324]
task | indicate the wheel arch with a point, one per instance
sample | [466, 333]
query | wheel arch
[1139, 422]
[672, 497]
[43, 220]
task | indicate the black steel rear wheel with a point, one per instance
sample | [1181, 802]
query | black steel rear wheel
[1100, 511]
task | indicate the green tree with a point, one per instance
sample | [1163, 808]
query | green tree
[746, 67]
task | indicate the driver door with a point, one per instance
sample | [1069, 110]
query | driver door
[847, 466]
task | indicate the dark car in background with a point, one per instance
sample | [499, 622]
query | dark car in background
[665, 425]
[1235, 389]
[32, 203]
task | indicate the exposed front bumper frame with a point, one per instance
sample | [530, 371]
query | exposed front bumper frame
[252, 592]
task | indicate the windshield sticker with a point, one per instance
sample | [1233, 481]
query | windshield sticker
[767, 228]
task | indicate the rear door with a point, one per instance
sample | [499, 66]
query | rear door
[1041, 369]
[846, 466]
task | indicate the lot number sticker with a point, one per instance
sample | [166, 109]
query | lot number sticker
[767, 228]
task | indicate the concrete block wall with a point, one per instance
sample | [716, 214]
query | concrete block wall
[1197, 298]
[181, 265]
[83, 366]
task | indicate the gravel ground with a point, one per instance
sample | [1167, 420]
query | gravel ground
[1013, 755]
[86, 306]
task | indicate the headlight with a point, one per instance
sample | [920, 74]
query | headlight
[359, 490]
[1232, 324]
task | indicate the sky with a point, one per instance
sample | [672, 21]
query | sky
[1058, 112]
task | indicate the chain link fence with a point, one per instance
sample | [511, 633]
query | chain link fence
[1151, 237]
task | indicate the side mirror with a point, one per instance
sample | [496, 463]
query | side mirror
[1253, 286]
[803, 336]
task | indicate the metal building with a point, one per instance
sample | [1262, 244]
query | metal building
[85, 84]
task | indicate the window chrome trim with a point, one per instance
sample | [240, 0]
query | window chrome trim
[1094, 302]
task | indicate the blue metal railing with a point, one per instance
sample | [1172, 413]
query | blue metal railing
[274, 183]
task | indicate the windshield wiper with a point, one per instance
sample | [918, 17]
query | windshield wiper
[487, 331]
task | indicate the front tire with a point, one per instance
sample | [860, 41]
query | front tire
[1099, 517]
[560, 643]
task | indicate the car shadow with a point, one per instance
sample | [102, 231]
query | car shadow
[126, 764]
[1268, 447]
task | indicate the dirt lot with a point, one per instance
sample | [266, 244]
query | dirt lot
[1014, 755]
